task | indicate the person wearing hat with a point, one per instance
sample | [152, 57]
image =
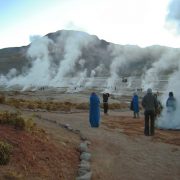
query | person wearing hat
[94, 111]
[135, 104]
[150, 104]
[171, 103]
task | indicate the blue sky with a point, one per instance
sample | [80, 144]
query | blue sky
[137, 22]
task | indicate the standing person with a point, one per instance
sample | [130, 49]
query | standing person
[149, 103]
[171, 103]
[105, 102]
[94, 112]
[135, 104]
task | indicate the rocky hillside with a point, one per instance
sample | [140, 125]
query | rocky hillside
[84, 52]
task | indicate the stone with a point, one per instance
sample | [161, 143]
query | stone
[87, 176]
[83, 147]
[85, 156]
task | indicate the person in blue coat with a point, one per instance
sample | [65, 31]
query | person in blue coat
[171, 103]
[94, 111]
[135, 103]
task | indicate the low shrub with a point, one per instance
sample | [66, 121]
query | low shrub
[29, 124]
[2, 99]
[19, 123]
[7, 118]
[5, 150]
[83, 106]
[12, 119]
[31, 106]
[12, 175]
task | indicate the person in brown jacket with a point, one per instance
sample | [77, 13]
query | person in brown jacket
[150, 104]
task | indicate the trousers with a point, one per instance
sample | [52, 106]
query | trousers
[149, 122]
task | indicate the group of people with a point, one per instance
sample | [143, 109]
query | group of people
[150, 102]
[152, 108]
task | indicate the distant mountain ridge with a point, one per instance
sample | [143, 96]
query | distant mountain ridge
[16, 57]
[97, 52]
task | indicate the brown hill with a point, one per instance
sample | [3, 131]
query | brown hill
[39, 156]
[94, 52]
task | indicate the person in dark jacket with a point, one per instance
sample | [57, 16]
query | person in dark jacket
[171, 103]
[150, 104]
[94, 111]
[135, 104]
[105, 102]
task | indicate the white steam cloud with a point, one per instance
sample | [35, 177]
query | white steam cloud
[170, 62]
[76, 60]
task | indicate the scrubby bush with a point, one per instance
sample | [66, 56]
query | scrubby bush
[117, 106]
[7, 118]
[29, 124]
[19, 123]
[5, 150]
[12, 119]
[13, 175]
[14, 102]
[83, 106]
[2, 99]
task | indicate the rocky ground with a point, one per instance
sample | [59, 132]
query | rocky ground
[118, 147]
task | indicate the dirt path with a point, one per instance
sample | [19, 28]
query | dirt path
[116, 155]
[119, 148]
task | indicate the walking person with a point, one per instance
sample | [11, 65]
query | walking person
[149, 103]
[94, 111]
[105, 102]
[135, 104]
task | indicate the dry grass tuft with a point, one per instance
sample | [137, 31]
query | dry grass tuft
[2, 99]
[15, 119]
[5, 150]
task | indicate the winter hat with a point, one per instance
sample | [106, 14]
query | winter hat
[149, 90]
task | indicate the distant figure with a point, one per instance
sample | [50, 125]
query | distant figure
[171, 103]
[94, 111]
[124, 79]
[105, 102]
[149, 103]
[135, 104]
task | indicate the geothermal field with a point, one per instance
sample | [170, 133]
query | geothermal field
[118, 148]
[44, 109]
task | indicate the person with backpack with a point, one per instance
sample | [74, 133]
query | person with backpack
[150, 104]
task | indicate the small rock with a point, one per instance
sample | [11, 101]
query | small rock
[82, 172]
[84, 162]
[85, 156]
[83, 147]
[87, 176]
[85, 166]
[66, 125]
[87, 142]
[70, 128]
[83, 138]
